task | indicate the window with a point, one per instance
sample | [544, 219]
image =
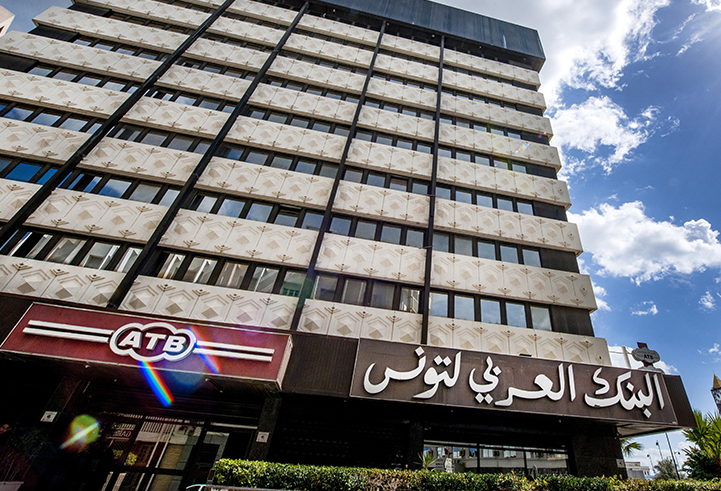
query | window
[487, 249]
[386, 180]
[393, 140]
[275, 116]
[371, 293]
[376, 230]
[72, 250]
[323, 62]
[115, 187]
[197, 268]
[492, 311]
[279, 161]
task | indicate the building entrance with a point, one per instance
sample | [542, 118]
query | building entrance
[142, 453]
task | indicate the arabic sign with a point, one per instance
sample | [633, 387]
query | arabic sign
[103, 337]
[406, 372]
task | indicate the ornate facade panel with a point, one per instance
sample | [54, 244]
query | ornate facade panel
[57, 281]
[304, 104]
[368, 258]
[491, 67]
[402, 94]
[234, 56]
[496, 338]
[246, 31]
[138, 159]
[406, 68]
[454, 216]
[113, 30]
[410, 47]
[496, 90]
[286, 138]
[154, 10]
[209, 303]
[387, 158]
[22, 139]
[262, 11]
[239, 238]
[247, 179]
[389, 204]
[58, 94]
[317, 75]
[338, 29]
[329, 50]
[186, 119]
[514, 281]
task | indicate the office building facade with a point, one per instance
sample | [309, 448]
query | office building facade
[315, 232]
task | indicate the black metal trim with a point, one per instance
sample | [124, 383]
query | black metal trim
[426, 296]
[140, 263]
[325, 224]
[69, 166]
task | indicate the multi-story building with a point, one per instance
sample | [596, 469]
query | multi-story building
[327, 232]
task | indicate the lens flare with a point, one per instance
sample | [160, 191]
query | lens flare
[83, 431]
[210, 361]
[155, 381]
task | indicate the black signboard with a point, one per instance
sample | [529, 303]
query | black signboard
[432, 375]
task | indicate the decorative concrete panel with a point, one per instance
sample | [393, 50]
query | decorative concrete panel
[94, 215]
[246, 31]
[500, 146]
[21, 139]
[502, 116]
[370, 259]
[497, 180]
[239, 238]
[465, 218]
[113, 30]
[328, 50]
[386, 204]
[354, 321]
[158, 11]
[286, 138]
[395, 123]
[58, 94]
[304, 72]
[509, 280]
[55, 281]
[204, 83]
[303, 104]
[496, 338]
[410, 47]
[262, 11]
[209, 303]
[182, 118]
[386, 158]
[493, 89]
[402, 94]
[339, 29]
[244, 179]
[406, 68]
[491, 67]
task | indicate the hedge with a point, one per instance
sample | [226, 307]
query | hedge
[253, 474]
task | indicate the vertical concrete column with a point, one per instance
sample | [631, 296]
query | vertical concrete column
[596, 451]
[260, 446]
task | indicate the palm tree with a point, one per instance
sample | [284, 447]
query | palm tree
[628, 445]
[704, 460]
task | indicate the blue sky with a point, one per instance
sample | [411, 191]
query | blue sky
[634, 93]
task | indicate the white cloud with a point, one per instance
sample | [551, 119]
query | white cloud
[670, 369]
[624, 242]
[599, 292]
[600, 124]
[709, 4]
[652, 310]
[707, 302]
[715, 349]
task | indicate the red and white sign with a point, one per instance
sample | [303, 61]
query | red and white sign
[110, 338]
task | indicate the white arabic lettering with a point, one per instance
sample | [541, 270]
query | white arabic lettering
[490, 376]
[546, 385]
[433, 378]
[638, 400]
[391, 374]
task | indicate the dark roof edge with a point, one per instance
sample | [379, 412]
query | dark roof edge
[455, 22]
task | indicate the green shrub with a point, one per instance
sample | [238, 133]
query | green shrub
[253, 474]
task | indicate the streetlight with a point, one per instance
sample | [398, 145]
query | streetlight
[673, 458]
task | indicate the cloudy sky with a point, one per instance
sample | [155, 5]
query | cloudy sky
[634, 92]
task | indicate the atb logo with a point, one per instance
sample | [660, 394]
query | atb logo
[152, 342]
